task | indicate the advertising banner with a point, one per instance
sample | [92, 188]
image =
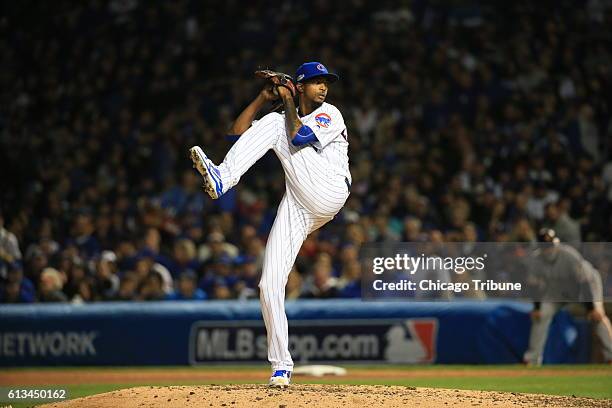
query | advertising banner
[230, 332]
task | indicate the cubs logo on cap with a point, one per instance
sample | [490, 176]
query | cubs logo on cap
[314, 69]
[323, 120]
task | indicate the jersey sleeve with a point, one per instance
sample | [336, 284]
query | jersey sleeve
[327, 126]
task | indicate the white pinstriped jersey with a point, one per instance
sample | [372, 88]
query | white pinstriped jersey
[328, 125]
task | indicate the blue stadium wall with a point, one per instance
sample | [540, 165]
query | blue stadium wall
[334, 331]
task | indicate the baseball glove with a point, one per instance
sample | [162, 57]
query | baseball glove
[277, 79]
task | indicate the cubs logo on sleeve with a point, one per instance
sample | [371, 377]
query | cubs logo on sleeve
[323, 120]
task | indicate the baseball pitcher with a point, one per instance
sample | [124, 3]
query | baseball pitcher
[311, 142]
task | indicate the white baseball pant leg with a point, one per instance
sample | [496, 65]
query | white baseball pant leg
[539, 333]
[250, 147]
[603, 330]
[291, 227]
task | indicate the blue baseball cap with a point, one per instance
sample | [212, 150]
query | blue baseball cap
[313, 69]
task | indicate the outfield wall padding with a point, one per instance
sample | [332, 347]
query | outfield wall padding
[339, 331]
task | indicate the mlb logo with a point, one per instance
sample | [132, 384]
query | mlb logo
[413, 341]
[323, 120]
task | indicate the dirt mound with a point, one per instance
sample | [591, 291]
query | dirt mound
[333, 396]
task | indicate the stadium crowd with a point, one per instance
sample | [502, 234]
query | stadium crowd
[467, 122]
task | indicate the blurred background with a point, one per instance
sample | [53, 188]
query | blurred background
[468, 121]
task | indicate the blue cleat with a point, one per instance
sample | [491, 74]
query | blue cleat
[280, 379]
[210, 172]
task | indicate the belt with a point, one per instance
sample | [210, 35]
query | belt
[348, 184]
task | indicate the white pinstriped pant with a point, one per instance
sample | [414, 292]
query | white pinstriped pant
[314, 194]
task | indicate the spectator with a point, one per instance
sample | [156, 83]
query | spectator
[220, 270]
[565, 227]
[348, 253]
[17, 288]
[294, 285]
[145, 265]
[9, 248]
[46, 244]
[187, 288]
[539, 197]
[187, 198]
[152, 247]
[106, 281]
[50, 286]
[85, 292]
[128, 287]
[184, 257]
[221, 290]
[83, 236]
[217, 247]
[152, 287]
[248, 276]
[523, 231]
[349, 284]
[412, 229]
[76, 274]
[321, 284]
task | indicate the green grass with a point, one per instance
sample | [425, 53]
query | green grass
[580, 386]
[251, 367]
[583, 382]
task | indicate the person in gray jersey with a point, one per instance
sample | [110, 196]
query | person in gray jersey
[567, 276]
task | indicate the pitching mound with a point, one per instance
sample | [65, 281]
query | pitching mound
[333, 396]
